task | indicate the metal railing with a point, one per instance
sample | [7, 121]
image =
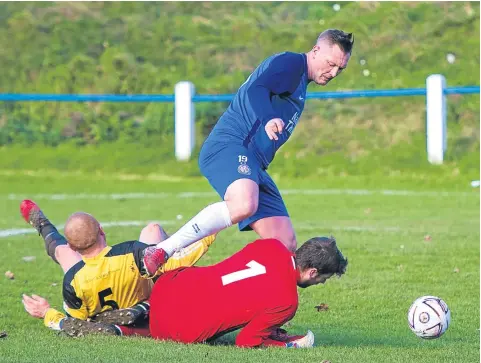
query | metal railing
[17, 97]
[185, 97]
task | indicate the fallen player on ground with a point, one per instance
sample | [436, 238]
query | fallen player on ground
[100, 281]
[254, 290]
[250, 291]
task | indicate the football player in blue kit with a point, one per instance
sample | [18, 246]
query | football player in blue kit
[235, 156]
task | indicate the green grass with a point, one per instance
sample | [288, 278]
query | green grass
[147, 47]
[373, 144]
[311, 154]
[390, 264]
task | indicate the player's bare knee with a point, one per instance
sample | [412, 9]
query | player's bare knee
[147, 230]
[249, 207]
[153, 228]
[66, 257]
[242, 209]
[242, 198]
[151, 234]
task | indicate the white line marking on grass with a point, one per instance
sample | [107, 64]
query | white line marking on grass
[21, 231]
[92, 196]
[304, 226]
[374, 192]
[121, 196]
[15, 232]
[298, 226]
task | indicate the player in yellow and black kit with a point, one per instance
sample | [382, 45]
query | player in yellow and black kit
[99, 278]
[114, 279]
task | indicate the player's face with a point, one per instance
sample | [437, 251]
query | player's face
[311, 277]
[328, 62]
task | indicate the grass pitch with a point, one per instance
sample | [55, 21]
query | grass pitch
[400, 245]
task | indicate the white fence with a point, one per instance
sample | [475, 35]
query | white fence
[435, 92]
[185, 97]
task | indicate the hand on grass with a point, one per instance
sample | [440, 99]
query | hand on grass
[36, 305]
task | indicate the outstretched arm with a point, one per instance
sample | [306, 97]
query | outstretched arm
[38, 307]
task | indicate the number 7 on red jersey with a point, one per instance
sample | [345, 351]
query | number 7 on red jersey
[254, 269]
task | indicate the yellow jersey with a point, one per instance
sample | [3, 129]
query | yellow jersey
[116, 279]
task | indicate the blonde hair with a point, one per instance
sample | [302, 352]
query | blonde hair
[82, 231]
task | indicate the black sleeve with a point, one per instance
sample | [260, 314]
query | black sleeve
[281, 76]
[137, 250]
[69, 295]
[71, 298]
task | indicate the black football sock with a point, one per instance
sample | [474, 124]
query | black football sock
[52, 239]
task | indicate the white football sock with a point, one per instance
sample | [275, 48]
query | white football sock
[210, 220]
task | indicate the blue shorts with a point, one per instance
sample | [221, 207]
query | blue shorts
[222, 164]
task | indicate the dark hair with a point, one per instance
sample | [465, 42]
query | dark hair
[322, 254]
[345, 41]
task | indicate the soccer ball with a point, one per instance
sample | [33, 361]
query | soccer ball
[429, 317]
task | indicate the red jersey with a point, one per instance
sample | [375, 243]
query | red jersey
[255, 289]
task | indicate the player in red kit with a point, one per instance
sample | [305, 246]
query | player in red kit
[254, 290]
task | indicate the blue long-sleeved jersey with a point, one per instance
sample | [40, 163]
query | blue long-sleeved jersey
[276, 89]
